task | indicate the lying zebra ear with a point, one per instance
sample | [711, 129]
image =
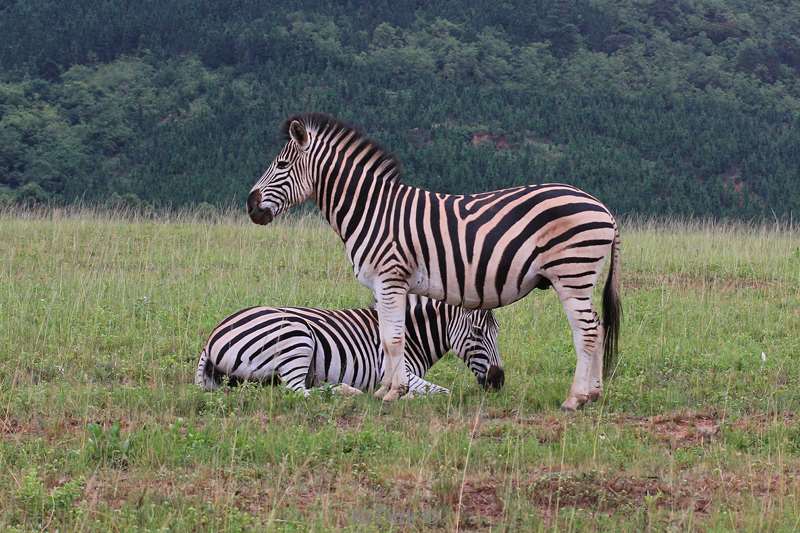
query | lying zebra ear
[473, 319]
[483, 320]
[298, 134]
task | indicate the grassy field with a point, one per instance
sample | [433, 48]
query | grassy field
[102, 319]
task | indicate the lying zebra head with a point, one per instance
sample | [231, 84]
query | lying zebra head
[473, 337]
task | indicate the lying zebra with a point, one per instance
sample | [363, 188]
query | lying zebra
[343, 347]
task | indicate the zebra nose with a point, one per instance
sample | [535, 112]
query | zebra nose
[258, 215]
[495, 378]
[253, 201]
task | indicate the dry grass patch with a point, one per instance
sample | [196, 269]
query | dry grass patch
[758, 423]
[645, 281]
[691, 491]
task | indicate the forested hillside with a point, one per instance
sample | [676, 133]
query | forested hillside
[656, 106]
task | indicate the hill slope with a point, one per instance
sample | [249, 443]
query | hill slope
[686, 107]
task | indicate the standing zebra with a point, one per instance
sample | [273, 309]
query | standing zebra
[302, 346]
[480, 251]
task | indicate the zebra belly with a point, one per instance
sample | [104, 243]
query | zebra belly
[434, 288]
[263, 367]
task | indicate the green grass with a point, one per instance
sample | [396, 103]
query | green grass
[102, 319]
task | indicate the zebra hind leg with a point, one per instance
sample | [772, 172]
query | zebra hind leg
[297, 371]
[587, 337]
[596, 387]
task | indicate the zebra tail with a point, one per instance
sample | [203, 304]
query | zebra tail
[612, 309]
[205, 375]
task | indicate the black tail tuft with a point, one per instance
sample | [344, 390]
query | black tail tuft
[612, 310]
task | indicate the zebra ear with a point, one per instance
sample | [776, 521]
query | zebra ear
[473, 319]
[482, 320]
[298, 134]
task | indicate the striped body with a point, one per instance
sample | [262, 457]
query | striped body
[487, 250]
[479, 251]
[304, 346]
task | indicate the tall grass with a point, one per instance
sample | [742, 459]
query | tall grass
[103, 313]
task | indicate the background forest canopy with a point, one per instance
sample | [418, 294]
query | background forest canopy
[686, 107]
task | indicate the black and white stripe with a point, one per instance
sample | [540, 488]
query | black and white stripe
[302, 347]
[478, 250]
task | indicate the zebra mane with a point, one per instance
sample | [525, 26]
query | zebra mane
[491, 319]
[324, 122]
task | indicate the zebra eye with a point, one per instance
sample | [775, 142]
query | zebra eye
[282, 165]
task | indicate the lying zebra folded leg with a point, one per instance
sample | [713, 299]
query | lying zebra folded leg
[416, 387]
[304, 347]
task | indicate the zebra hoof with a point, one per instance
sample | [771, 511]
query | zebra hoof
[395, 394]
[568, 408]
[573, 403]
[381, 392]
[346, 390]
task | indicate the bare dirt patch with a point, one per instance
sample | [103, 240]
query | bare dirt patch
[760, 422]
[425, 497]
[498, 140]
[591, 491]
[350, 421]
[480, 505]
[11, 426]
[548, 428]
[689, 491]
[115, 488]
[678, 430]
[111, 490]
[38, 426]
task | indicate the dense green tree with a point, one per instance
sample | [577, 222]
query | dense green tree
[687, 107]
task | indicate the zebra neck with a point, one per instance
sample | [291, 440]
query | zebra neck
[439, 320]
[353, 203]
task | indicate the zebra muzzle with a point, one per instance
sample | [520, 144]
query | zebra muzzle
[257, 214]
[495, 378]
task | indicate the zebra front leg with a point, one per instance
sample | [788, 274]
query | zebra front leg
[586, 384]
[419, 387]
[391, 305]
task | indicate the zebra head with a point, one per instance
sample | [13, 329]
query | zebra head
[473, 337]
[288, 180]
